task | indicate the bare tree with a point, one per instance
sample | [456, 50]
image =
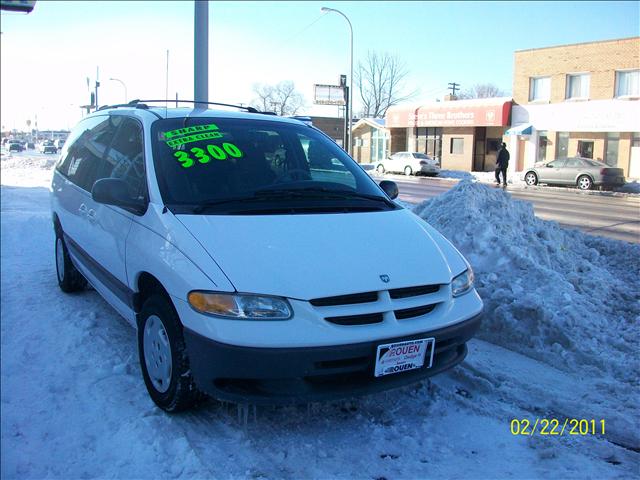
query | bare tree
[482, 90]
[282, 98]
[380, 82]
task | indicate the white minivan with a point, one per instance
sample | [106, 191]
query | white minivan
[249, 279]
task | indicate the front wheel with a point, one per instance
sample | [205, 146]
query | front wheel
[69, 278]
[585, 183]
[407, 170]
[531, 179]
[163, 356]
[380, 169]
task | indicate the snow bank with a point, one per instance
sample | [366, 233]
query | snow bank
[455, 174]
[630, 187]
[17, 162]
[561, 296]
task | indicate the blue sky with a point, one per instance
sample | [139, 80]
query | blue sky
[47, 55]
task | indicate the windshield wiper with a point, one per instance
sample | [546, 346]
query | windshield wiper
[290, 193]
[348, 194]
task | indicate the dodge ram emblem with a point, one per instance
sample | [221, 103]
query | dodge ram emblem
[385, 278]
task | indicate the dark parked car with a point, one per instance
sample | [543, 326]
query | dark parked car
[584, 173]
[15, 147]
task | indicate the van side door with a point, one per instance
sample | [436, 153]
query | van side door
[110, 225]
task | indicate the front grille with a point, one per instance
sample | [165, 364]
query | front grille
[413, 291]
[355, 298]
[413, 312]
[366, 319]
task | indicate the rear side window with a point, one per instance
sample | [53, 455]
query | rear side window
[80, 159]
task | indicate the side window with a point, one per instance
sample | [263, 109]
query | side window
[125, 158]
[81, 160]
[324, 166]
[557, 163]
[574, 162]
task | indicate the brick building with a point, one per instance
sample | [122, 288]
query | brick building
[579, 99]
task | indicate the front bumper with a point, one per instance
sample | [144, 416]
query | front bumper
[300, 375]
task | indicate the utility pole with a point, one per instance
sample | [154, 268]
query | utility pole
[453, 87]
[97, 85]
[201, 52]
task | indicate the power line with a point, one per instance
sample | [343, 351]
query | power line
[453, 87]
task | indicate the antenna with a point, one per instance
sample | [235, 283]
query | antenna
[166, 88]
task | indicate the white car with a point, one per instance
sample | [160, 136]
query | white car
[252, 280]
[410, 163]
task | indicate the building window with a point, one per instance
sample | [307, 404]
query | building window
[457, 146]
[578, 86]
[562, 146]
[628, 83]
[542, 146]
[585, 148]
[611, 155]
[539, 89]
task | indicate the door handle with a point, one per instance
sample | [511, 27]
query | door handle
[83, 208]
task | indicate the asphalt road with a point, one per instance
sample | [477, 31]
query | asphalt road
[598, 213]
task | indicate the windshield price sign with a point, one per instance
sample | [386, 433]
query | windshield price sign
[402, 356]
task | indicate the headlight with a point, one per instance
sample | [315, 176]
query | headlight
[462, 283]
[240, 306]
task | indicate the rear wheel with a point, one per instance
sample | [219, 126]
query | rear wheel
[407, 170]
[163, 356]
[585, 182]
[531, 179]
[69, 278]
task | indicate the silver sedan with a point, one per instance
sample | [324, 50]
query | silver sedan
[584, 173]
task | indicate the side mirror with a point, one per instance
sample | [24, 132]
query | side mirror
[548, 165]
[114, 191]
[390, 188]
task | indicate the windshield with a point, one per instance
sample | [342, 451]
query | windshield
[239, 166]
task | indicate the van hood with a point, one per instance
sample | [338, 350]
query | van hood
[314, 256]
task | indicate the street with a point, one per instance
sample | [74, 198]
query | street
[599, 213]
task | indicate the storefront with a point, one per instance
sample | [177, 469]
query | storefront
[604, 130]
[462, 134]
[370, 140]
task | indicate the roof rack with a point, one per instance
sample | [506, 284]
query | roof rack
[143, 104]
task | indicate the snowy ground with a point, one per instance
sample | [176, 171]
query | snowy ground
[560, 340]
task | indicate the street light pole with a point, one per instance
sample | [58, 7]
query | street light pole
[349, 110]
[123, 85]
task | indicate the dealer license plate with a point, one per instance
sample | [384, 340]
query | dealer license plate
[402, 356]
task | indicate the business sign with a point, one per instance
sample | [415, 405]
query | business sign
[450, 114]
[328, 95]
[17, 5]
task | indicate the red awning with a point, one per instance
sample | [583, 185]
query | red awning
[485, 112]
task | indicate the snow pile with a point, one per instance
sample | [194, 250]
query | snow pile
[17, 162]
[629, 187]
[561, 296]
[455, 174]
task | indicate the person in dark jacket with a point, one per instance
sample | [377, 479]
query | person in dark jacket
[502, 163]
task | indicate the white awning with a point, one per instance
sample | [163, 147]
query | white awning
[524, 129]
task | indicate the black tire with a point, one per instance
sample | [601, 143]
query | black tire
[408, 171]
[531, 178]
[584, 182]
[180, 392]
[380, 169]
[69, 278]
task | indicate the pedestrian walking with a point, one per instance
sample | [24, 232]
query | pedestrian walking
[502, 163]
